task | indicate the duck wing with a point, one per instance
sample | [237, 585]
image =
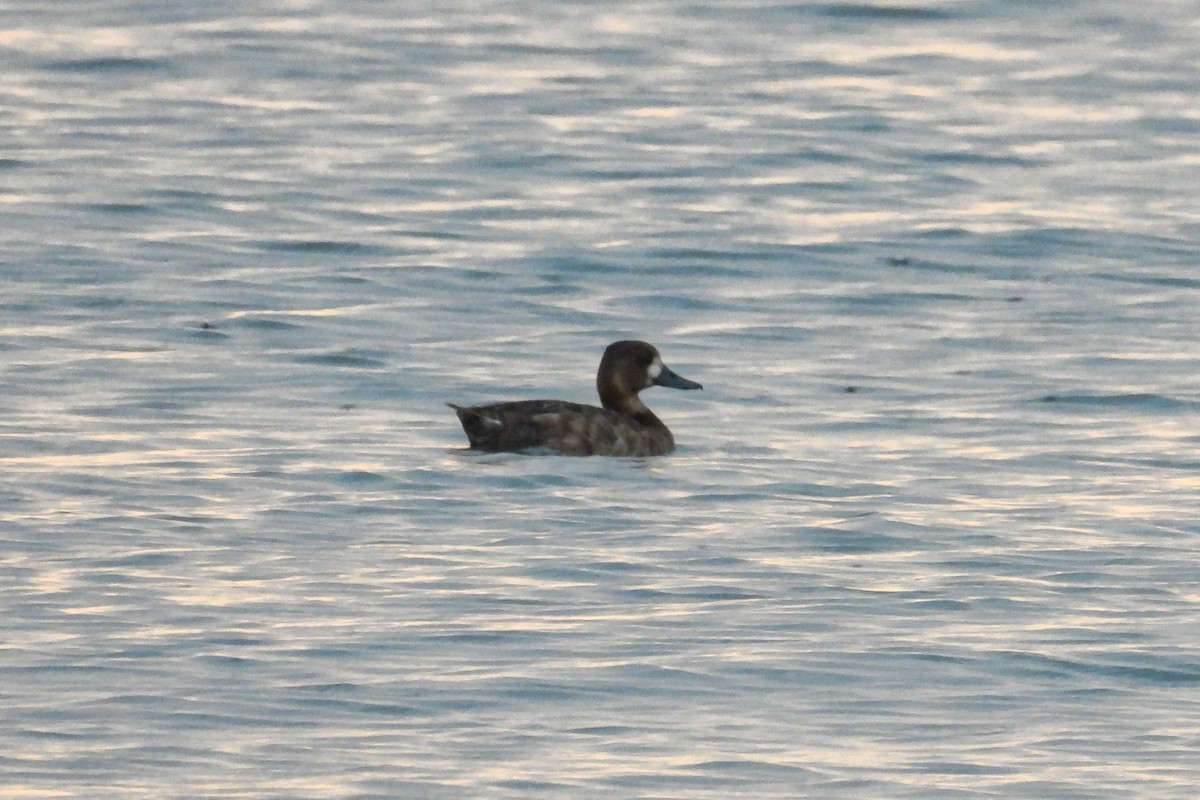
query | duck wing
[519, 425]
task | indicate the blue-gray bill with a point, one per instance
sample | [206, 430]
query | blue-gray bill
[674, 381]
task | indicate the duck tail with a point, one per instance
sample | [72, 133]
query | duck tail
[464, 412]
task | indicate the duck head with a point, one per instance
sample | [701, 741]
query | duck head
[627, 368]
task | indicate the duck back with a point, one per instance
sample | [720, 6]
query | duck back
[563, 427]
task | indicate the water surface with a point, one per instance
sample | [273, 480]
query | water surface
[930, 529]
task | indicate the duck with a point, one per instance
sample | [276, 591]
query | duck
[623, 426]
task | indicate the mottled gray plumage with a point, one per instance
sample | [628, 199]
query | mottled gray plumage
[623, 427]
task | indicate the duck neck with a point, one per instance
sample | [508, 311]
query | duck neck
[629, 405]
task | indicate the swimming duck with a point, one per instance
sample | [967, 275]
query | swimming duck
[623, 427]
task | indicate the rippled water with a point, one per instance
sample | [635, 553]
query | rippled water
[930, 531]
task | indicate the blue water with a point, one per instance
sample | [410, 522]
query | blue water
[931, 529]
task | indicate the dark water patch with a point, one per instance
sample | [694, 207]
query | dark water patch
[894, 13]
[166, 398]
[71, 673]
[960, 768]
[942, 235]
[1155, 123]
[615, 53]
[206, 332]
[527, 163]
[141, 560]
[855, 121]
[49, 734]
[1136, 400]
[220, 660]
[554, 267]
[1099, 245]
[753, 768]
[355, 477]
[442, 235]
[729, 498]
[715, 256]
[931, 606]
[819, 155]
[765, 333]
[487, 214]
[1148, 278]
[928, 265]
[644, 674]
[927, 657]
[107, 64]
[322, 247]
[601, 730]
[626, 175]
[542, 690]
[350, 359]
[533, 481]
[719, 563]
[645, 595]
[1183, 464]
[102, 302]
[481, 275]
[185, 198]
[711, 594]
[324, 688]
[234, 640]
[845, 489]
[123, 209]
[888, 301]
[340, 279]
[1183, 674]
[136, 655]
[1146, 671]
[359, 707]
[680, 302]
[780, 14]
[935, 157]
[846, 542]
[269, 323]
[530, 785]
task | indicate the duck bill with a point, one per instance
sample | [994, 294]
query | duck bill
[672, 381]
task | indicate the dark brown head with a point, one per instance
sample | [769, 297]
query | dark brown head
[628, 367]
